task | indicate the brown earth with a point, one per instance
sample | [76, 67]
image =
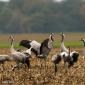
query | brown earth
[40, 37]
[39, 76]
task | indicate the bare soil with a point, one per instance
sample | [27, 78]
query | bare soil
[38, 75]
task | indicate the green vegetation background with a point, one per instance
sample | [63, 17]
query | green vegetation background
[32, 16]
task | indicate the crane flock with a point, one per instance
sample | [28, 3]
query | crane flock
[41, 51]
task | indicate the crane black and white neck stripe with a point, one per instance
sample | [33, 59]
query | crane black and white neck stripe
[63, 47]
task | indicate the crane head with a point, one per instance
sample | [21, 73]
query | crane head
[52, 35]
[62, 34]
[11, 37]
[83, 40]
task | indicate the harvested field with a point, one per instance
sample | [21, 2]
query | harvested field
[39, 75]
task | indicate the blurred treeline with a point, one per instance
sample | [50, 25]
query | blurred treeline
[28, 16]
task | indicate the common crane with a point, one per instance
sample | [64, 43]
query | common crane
[18, 57]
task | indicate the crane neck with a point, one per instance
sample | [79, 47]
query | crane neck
[51, 37]
[12, 47]
[62, 39]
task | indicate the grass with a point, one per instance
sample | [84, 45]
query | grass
[69, 43]
[56, 44]
[7, 45]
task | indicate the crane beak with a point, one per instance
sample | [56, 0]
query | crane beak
[62, 34]
[11, 37]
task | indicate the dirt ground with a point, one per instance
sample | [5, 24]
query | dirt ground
[40, 37]
[38, 75]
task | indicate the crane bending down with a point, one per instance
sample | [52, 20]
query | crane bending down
[71, 58]
[42, 49]
[63, 48]
[31, 44]
[36, 46]
[3, 59]
[18, 57]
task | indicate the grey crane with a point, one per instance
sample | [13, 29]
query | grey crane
[18, 57]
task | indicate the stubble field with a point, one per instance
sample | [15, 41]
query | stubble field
[38, 75]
